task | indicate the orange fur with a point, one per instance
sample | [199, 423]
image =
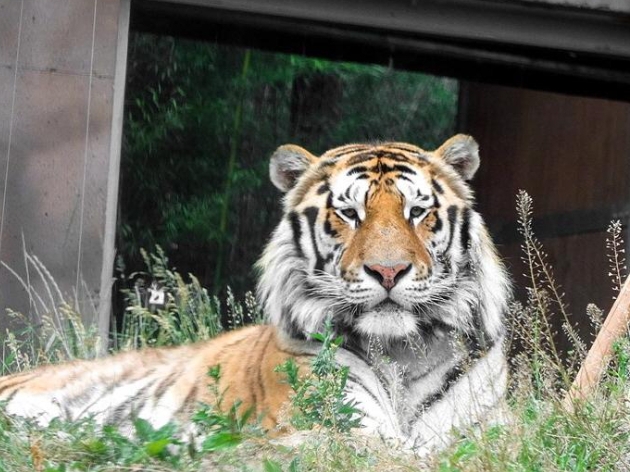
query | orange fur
[247, 358]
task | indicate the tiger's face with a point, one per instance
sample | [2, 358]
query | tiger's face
[376, 236]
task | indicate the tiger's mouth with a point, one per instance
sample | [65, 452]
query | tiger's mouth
[386, 319]
[387, 306]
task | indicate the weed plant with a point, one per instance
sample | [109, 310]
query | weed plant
[189, 313]
[541, 434]
[56, 327]
[319, 398]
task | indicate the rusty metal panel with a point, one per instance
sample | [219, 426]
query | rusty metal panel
[572, 155]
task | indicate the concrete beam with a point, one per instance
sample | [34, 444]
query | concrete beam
[531, 44]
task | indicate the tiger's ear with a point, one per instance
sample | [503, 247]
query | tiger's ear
[461, 152]
[287, 164]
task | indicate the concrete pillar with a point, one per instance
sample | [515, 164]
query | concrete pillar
[62, 67]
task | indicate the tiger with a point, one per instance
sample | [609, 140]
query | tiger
[382, 242]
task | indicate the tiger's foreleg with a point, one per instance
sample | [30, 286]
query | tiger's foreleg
[477, 397]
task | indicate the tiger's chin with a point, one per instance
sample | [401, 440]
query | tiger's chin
[386, 320]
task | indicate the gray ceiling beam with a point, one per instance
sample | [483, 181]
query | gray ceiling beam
[535, 44]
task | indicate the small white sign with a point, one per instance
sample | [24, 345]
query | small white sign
[156, 296]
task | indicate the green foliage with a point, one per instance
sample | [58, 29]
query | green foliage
[82, 446]
[223, 427]
[56, 328]
[202, 120]
[271, 466]
[189, 313]
[319, 398]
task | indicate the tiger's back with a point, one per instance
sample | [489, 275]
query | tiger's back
[159, 384]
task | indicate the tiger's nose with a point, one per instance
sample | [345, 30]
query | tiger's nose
[387, 275]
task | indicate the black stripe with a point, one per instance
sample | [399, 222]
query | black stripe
[129, 405]
[323, 188]
[438, 223]
[327, 163]
[452, 219]
[311, 215]
[360, 158]
[464, 234]
[479, 341]
[12, 395]
[357, 170]
[21, 382]
[297, 232]
[165, 384]
[253, 362]
[328, 229]
[140, 398]
[259, 362]
[80, 398]
[436, 201]
[404, 169]
[356, 380]
[190, 399]
[402, 147]
[348, 149]
[438, 188]
[225, 350]
[67, 413]
[395, 157]
[290, 326]
[451, 377]
[382, 168]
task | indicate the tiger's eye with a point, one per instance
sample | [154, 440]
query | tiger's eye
[350, 213]
[416, 211]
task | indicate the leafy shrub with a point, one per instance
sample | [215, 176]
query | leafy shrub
[319, 398]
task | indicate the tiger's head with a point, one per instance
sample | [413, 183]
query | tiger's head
[384, 239]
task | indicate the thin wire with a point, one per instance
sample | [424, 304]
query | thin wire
[6, 173]
[85, 156]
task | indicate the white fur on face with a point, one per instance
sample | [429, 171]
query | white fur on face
[294, 286]
[386, 320]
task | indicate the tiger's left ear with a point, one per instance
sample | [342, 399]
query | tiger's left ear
[461, 152]
[287, 164]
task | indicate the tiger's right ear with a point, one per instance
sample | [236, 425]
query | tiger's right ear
[287, 164]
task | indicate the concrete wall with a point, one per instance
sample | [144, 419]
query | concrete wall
[60, 92]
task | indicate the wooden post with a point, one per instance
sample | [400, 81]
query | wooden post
[615, 326]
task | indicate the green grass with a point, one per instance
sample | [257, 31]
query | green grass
[540, 435]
